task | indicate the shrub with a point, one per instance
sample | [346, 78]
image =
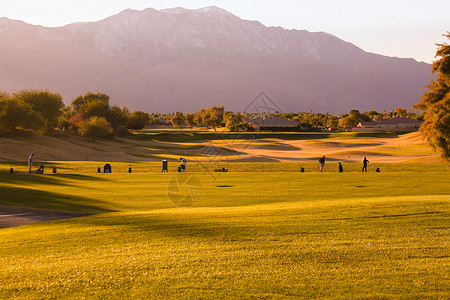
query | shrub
[95, 127]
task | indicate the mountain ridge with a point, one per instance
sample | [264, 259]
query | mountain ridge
[179, 59]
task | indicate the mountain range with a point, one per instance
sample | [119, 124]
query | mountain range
[179, 59]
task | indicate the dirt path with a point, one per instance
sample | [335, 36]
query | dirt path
[16, 216]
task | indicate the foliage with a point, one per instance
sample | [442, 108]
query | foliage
[190, 119]
[76, 119]
[80, 104]
[232, 120]
[95, 108]
[436, 104]
[353, 119]
[95, 127]
[137, 120]
[177, 119]
[14, 113]
[49, 105]
[118, 117]
[210, 117]
[97, 105]
[216, 117]
[333, 122]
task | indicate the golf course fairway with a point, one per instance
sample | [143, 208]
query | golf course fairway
[230, 235]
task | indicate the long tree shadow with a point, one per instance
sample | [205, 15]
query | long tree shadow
[29, 198]
[50, 179]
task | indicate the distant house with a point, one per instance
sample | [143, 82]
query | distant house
[271, 123]
[390, 124]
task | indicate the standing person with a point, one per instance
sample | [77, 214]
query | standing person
[365, 162]
[183, 164]
[322, 163]
[30, 162]
[340, 168]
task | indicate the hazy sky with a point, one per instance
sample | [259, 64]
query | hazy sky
[402, 28]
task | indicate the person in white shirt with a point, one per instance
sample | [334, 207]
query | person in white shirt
[30, 162]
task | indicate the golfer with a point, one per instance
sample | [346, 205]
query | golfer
[322, 163]
[30, 162]
[183, 164]
[365, 162]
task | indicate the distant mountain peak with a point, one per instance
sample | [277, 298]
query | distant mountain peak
[213, 9]
[175, 10]
[182, 59]
[204, 10]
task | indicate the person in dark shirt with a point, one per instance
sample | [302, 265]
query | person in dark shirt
[322, 163]
[365, 162]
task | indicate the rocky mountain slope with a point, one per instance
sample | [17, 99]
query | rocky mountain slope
[178, 59]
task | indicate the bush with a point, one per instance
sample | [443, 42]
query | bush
[95, 127]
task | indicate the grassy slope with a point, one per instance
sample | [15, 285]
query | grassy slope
[250, 234]
[213, 146]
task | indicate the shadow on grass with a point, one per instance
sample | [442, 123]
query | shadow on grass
[23, 197]
[49, 179]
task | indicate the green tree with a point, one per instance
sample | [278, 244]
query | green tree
[118, 117]
[190, 119]
[137, 120]
[15, 114]
[216, 117]
[201, 116]
[95, 127]
[232, 120]
[373, 114]
[436, 104]
[95, 108]
[48, 105]
[81, 101]
[333, 122]
[401, 112]
[353, 119]
[177, 119]
[4, 95]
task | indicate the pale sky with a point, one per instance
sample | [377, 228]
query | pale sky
[401, 28]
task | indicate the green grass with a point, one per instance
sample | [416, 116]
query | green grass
[249, 235]
[90, 168]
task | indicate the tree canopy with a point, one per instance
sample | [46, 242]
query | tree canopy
[95, 127]
[436, 104]
[178, 119]
[49, 105]
[36, 110]
[137, 120]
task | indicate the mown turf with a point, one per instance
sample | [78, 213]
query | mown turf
[247, 234]
[90, 168]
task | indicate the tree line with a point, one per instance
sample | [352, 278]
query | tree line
[216, 116]
[90, 115]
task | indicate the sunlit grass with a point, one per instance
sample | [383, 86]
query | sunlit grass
[90, 167]
[249, 234]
